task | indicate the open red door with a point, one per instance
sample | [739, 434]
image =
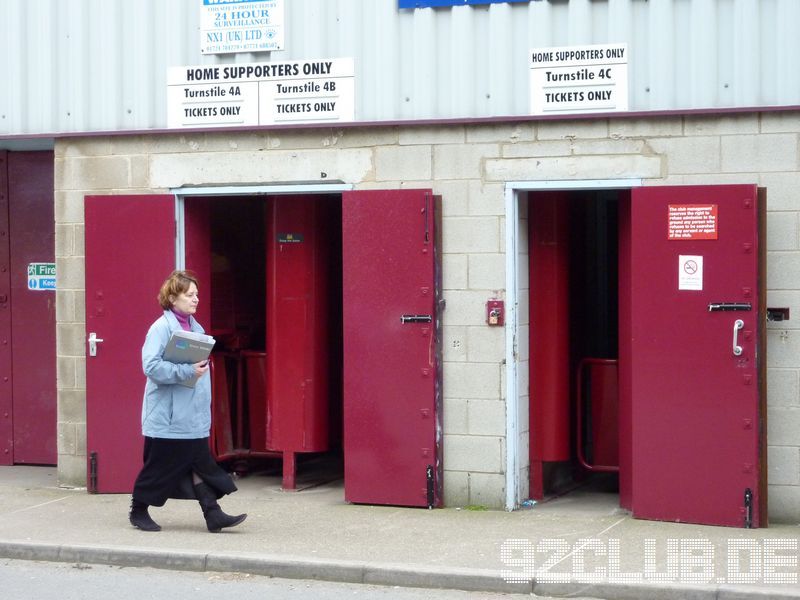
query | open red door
[392, 391]
[130, 250]
[697, 355]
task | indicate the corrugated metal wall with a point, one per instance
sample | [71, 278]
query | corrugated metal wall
[94, 65]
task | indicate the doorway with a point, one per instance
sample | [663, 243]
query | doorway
[380, 279]
[273, 267]
[573, 257]
[682, 388]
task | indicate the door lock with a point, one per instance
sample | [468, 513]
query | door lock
[93, 341]
[729, 306]
[416, 319]
[737, 349]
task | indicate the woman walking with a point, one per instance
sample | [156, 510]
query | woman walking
[176, 420]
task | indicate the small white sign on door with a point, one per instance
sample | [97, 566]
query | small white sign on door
[690, 272]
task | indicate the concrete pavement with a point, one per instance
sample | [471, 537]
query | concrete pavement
[580, 544]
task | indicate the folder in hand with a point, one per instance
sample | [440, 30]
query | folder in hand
[188, 347]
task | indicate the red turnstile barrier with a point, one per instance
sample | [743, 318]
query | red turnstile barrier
[276, 401]
[602, 402]
[300, 254]
[222, 445]
[255, 383]
[549, 334]
[238, 406]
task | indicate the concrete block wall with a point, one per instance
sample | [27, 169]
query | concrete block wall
[468, 165]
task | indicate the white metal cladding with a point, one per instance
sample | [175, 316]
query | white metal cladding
[100, 65]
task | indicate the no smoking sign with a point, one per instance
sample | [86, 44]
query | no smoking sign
[690, 272]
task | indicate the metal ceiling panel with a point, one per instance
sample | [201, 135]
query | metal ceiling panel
[100, 65]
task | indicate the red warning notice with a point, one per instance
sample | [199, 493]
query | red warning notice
[692, 222]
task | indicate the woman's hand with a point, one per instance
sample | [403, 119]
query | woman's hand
[200, 368]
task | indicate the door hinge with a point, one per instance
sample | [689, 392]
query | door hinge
[429, 481]
[93, 472]
[748, 509]
[425, 214]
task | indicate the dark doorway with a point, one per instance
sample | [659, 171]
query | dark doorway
[574, 347]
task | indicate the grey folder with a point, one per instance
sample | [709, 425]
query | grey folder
[188, 347]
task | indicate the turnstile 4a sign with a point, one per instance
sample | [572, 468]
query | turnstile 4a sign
[41, 276]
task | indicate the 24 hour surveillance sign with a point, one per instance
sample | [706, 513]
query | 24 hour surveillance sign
[241, 26]
[579, 79]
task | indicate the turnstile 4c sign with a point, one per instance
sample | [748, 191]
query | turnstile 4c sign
[41, 276]
[579, 79]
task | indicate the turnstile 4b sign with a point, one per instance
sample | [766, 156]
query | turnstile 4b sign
[41, 276]
[253, 94]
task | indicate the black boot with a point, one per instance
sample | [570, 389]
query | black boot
[139, 517]
[215, 518]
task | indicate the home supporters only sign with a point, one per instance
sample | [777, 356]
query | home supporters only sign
[579, 79]
[252, 94]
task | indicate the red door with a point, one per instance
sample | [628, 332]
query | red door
[27, 310]
[33, 310]
[697, 356]
[130, 250]
[392, 394]
[6, 405]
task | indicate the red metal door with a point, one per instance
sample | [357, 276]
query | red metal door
[130, 250]
[6, 406]
[33, 310]
[695, 397]
[392, 394]
[27, 315]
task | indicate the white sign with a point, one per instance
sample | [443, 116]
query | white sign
[41, 276]
[579, 79]
[690, 272]
[248, 94]
[241, 26]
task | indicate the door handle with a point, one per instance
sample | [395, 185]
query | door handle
[737, 349]
[93, 341]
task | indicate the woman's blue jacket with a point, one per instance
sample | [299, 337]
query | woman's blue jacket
[171, 410]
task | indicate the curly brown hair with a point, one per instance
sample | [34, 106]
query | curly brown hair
[177, 283]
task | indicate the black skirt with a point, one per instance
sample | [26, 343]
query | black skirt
[168, 468]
